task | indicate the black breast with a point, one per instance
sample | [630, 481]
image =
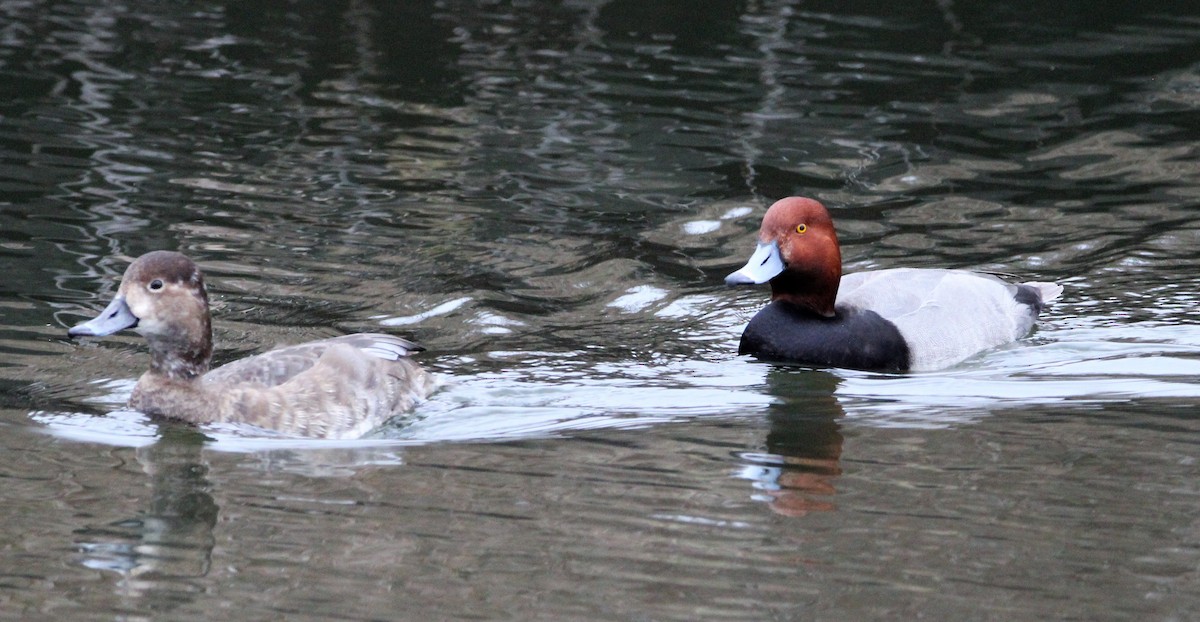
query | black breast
[852, 338]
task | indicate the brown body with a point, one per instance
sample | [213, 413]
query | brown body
[334, 388]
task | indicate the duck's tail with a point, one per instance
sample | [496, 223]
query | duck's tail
[1048, 292]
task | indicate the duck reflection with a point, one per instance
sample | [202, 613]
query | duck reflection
[158, 552]
[795, 474]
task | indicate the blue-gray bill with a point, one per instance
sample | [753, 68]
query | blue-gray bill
[765, 264]
[115, 317]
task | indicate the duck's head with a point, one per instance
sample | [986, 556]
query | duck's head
[162, 297]
[798, 254]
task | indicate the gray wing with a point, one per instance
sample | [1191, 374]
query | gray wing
[282, 364]
[900, 293]
[944, 315]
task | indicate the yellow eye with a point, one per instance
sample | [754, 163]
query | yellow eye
[801, 228]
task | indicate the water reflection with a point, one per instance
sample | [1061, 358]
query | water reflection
[797, 473]
[160, 553]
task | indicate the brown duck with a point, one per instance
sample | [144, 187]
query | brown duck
[333, 388]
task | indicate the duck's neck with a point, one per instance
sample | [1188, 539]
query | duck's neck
[184, 355]
[814, 291]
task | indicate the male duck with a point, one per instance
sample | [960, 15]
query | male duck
[333, 388]
[903, 319]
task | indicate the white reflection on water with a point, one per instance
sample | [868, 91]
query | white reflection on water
[1076, 365]
[638, 297]
[442, 309]
[1065, 365]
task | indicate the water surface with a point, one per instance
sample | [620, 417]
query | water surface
[547, 196]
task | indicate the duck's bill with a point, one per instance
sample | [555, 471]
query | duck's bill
[765, 264]
[115, 317]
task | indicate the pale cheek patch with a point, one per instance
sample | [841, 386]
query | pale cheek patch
[141, 308]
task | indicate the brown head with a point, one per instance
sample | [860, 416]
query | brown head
[162, 297]
[798, 254]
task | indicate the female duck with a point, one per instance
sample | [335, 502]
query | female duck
[333, 388]
[902, 319]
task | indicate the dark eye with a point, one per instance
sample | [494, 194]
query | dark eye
[156, 285]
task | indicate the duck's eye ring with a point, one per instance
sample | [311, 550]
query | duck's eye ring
[801, 228]
[155, 285]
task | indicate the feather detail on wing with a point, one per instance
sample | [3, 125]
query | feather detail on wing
[278, 366]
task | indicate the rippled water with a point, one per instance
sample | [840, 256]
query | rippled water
[547, 196]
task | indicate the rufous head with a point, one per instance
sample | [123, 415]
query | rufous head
[798, 254]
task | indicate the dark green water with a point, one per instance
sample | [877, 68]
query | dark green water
[547, 196]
